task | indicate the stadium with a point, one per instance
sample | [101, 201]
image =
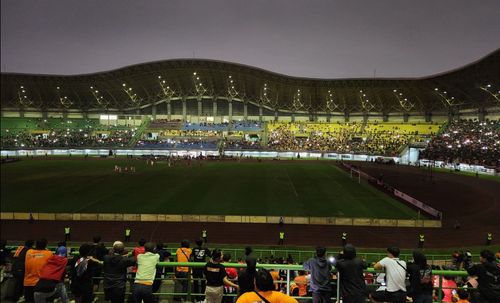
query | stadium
[178, 148]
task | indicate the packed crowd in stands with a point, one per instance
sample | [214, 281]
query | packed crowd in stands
[374, 138]
[73, 138]
[224, 126]
[63, 133]
[38, 274]
[467, 141]
[179, 143]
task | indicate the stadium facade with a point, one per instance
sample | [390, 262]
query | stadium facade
[206, 90]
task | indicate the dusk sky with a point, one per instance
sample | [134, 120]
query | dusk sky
[324, 39]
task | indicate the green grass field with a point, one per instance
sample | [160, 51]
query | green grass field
[223, 188]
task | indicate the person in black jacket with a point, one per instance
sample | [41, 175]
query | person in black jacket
[420, 279]
[488, 277]
[98, 252]
[115, 273]
[246, 277]
[352, 282]
[82, 268]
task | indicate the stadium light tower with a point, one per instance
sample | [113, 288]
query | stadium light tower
[198, 86]
[134, 99]
[297, 101]
[331, 105]
[232, 91]
[405, 104]
[489, 89]
[98, 97]
[365, 102]
[64, 100]
[447, 100]
[23, 98]
[167, 91]
[266, 97]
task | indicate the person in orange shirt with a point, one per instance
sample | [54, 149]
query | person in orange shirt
[301, 282]
[181, 272]
[463, 296]
[264, 291]
[276, 278]
[35, 260]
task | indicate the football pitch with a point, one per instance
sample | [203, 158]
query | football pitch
[267, 188]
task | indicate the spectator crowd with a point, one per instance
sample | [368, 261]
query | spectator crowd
[467, 141]
[37, 274]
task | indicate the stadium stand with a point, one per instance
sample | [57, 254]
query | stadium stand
[371, 138]
[55, 133]
[467, 141]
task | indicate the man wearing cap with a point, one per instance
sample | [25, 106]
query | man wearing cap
[115, 273]
[395, 273]
[51, 282]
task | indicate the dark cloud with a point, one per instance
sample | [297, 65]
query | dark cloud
[328, 39]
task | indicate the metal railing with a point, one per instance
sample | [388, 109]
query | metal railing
[189, 294]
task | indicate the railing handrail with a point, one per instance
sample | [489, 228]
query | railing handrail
[455, 273]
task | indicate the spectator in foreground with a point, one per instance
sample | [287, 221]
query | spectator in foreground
[51, 283]
[463, 296]
[420, 279]
[264, 291]
[146, 271]
[81, 275]
[181, 272]
[395, 273]
[35, 261]
[246, 277]
[320, 276]
[200, 253]
[115, 273]
[352, 282]
[18, 268]
[488, 277]
[232, 274]
[98, 252]
[216, 276]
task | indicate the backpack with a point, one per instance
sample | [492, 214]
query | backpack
[426, 275]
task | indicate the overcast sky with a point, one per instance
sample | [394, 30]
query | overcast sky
[325, 39]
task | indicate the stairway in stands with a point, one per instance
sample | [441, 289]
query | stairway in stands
[138, 133]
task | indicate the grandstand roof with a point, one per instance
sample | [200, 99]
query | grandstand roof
[140, 86]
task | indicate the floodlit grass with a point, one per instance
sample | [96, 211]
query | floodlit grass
[222, 188]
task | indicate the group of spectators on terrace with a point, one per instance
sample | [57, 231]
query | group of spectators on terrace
[467, 141]
[346, 138]
[52, 133]
[40, 274]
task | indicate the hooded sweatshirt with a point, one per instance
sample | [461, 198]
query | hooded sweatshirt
[320, 274]
[115, 270]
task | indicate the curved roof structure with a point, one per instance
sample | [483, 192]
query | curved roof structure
[142, 85]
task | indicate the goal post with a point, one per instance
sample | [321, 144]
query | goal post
[355, 172]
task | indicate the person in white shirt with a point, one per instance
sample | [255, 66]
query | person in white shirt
[146, 271]
[395, 275]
